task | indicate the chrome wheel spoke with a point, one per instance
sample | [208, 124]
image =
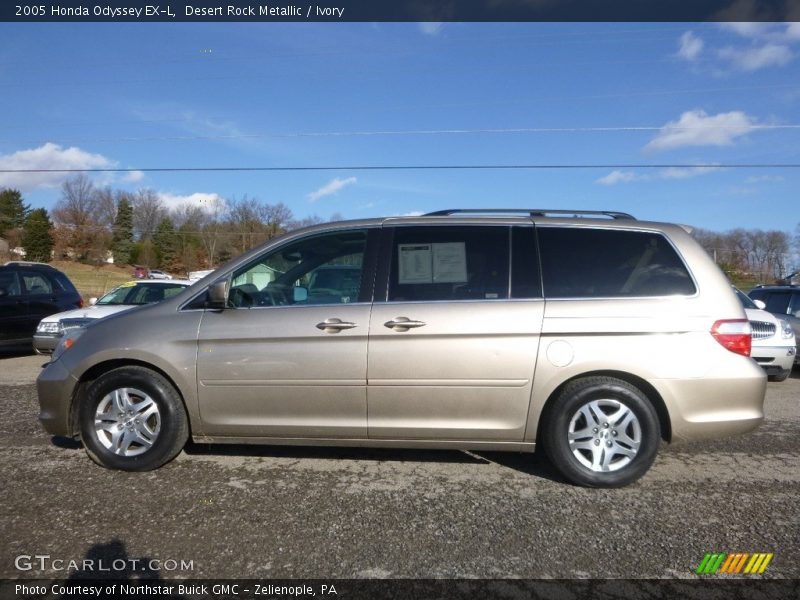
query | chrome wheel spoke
[127, 422]
[604, 435]
[586, 433]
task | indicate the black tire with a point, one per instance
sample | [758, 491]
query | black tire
[782, 376]
[609, 390]
[173, 425]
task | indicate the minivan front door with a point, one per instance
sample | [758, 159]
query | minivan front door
[453, 346]
[284, 361]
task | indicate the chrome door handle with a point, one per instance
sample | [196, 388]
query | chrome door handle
[403, 324]
[335, 325]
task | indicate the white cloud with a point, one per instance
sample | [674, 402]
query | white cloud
[764, 179]
[696, 128]
[47, 156]
[332, 187]
[133, 176]
[209, 202]
[686, 172]
[430, 27]
[413, 213]
[690, 46]
[748, 30]
[757, 57]
[616, 177]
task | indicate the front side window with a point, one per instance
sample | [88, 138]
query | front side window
[449, 263]
[778, 302]
[322, 269]
[580, 262]
[9, 284]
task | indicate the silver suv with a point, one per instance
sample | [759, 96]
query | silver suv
[593, 335]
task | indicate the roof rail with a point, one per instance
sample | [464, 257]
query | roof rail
[533, 212]
[26, 263]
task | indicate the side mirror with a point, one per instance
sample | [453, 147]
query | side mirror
[92, 301]
[218, 294]
[300, 294]
[760, 304]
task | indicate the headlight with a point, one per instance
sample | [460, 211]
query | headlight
[787, 332]
[52, 327]
[66, 342]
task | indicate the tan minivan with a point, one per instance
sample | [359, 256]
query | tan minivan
[592, 334]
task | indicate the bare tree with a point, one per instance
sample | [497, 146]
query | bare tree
[77, 214]
[78, 206]
[148, 210]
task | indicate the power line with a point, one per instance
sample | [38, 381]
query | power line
[407, 132]
[553, 166]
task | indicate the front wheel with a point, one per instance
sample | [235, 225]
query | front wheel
[133, 419]
[782, 376]
[601, 432]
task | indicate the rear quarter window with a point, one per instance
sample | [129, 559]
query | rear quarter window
[609, 263]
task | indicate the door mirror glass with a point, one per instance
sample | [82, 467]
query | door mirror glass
[300, 294]
[218, 294]
[92, 301]
[760, 304]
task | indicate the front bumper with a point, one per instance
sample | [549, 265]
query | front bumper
[45, 343]
[55, 386]
[775, 359]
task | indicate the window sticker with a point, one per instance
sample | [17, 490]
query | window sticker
[450, 263]
[414, 263]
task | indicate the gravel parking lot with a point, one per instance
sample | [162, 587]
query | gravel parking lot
[311, 512]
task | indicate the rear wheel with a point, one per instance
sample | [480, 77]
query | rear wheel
[133, 419]
[601, 432]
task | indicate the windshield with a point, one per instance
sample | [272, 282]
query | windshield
[744, 299]
[140, 293]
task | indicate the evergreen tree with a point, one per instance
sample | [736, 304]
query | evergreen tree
[13, 211]
[122, 236]
[37, 237]
[165, 243]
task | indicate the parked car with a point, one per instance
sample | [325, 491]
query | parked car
[783, 301]
[774, 345]
[157, 274]
[29, 292]
[591, 335]
[124, 297]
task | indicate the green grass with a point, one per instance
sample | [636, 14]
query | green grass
[93, 282]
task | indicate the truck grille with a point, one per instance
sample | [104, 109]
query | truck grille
[762, 329]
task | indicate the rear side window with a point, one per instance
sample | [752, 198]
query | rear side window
[36, 283]
[607, 263]
[449, 263]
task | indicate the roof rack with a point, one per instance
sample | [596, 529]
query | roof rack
[533, 212]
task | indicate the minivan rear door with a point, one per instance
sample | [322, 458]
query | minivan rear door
[453, 335]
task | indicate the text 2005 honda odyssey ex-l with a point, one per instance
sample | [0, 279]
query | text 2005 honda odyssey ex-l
[594, 337]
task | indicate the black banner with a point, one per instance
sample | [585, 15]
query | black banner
[400, 589]
[401, 10]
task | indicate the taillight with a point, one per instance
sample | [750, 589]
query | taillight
[734, 335]
[80, 301]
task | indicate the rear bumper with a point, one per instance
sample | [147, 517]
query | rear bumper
[55, 386]
[714, 407]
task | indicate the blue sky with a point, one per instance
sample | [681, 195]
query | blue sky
[319, 94]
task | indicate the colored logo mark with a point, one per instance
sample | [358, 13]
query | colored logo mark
[739, 562]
